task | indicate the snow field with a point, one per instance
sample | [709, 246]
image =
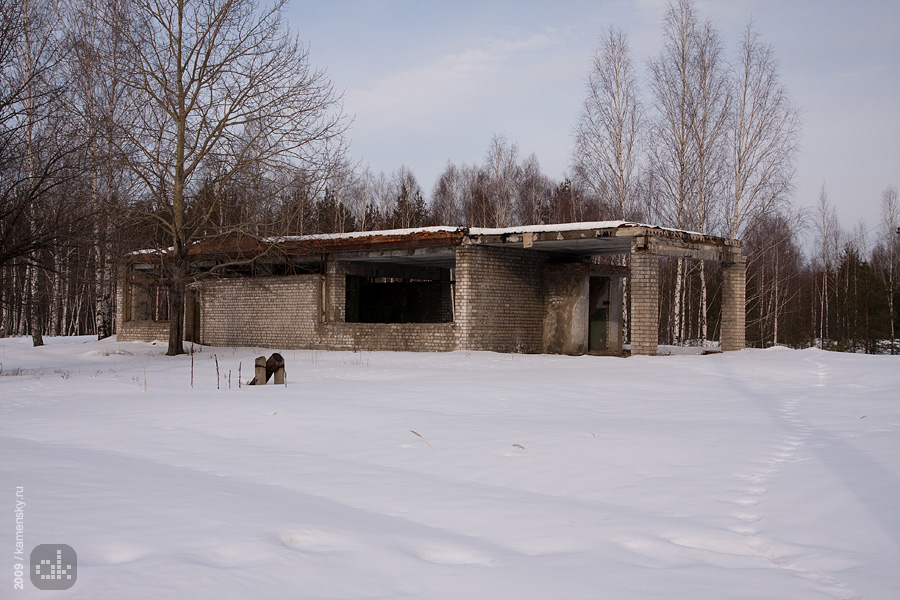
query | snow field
[757, 474]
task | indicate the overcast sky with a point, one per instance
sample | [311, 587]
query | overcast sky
[429, 82]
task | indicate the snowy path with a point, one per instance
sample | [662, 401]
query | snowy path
[760, 474]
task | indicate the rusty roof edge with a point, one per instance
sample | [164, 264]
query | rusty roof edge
[415, 237]
[375, 240]
[351, 235]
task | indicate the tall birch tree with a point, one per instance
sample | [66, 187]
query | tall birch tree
[765, 136]
[610, 127]
[828, 242]
[710, 130]
[503, 174]
[95, 93]
[890, 225]
[672, 147]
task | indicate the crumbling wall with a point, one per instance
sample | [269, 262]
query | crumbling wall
[733, 332]
[135, 330]
[285, 312]
[644, 303]
[566, 316]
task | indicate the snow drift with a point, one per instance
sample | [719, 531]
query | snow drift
[756, 474]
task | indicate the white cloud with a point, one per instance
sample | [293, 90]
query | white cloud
[457, 78]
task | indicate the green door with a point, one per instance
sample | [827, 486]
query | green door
[597, 331]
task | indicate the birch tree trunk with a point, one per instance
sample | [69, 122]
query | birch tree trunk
[36, 298]
[890, 215]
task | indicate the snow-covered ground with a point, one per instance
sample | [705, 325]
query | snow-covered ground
[766, 474]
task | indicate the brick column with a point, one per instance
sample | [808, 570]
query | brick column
[446, 296]
[121, 282]
[335, 292]
[644, 303]
[734, 276]
[462, 300]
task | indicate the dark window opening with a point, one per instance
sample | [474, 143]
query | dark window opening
[598, 324]
[393, 300]
[147, 301]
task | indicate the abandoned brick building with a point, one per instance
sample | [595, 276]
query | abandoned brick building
[518, 289]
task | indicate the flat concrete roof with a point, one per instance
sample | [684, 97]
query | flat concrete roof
[436, 246]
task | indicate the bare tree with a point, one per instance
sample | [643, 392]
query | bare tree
[501, 192]
[38, 150]
[503, 172]
[361, 199]
[409, 208]
[672, 146]
[691, 99]
[774, 267]
[212, 87]
[890, 225]
[14, 89]
[535, 190]
[94, 103]
[828, 240]
[608, 134]
[765, 136]
[449, 196]
[477, 206]
[566, 204]
[610, 127]
[711, 106]
[672, 143]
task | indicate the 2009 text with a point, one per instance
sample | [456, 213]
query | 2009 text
[19, 552]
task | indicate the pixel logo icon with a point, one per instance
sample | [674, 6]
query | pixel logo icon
[53, 567]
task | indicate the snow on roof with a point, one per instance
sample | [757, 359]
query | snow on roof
[553, 227]
[362, 234]
[457, 230]
[463, 230]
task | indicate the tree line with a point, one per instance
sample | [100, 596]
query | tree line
[130, 124]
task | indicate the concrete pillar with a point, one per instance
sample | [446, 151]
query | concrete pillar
[121, 299]
[335, 293]
[734, 278]
[566, 312]
[616, 303]
[191, 316]
[464, 291]
[644, 303]
[446, 296]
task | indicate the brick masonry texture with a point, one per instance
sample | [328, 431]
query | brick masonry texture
[644, 303]
[279, 312]
[733, 336]
[499, 299]
[499, 302]
[284, 312]
[136, 331]
[503, 301]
